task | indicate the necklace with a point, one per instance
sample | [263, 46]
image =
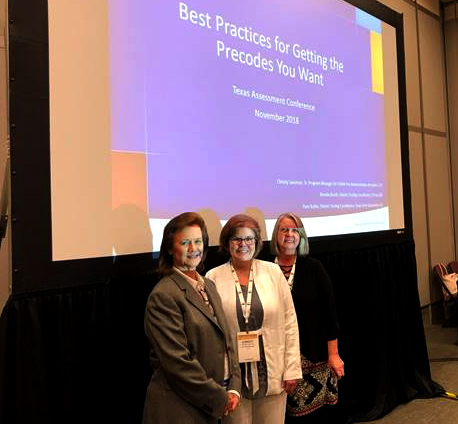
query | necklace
[286, 267]
[288, 275]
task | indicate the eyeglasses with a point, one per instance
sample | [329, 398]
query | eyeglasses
[239, 240]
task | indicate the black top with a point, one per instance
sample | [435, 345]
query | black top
[315, 308]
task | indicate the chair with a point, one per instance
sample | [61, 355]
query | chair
[453, 266]
[449, 299]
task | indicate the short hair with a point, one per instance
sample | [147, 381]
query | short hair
[303, 246]
[240, 221]
[176, 224]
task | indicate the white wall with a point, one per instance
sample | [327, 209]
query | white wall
[451, 51]
[429, 144]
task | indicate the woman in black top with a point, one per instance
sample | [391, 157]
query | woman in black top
[313, 298]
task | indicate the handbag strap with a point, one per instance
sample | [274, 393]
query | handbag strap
[443, 272]
[443, 269]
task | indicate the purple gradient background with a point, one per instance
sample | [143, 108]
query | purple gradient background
[171, 97]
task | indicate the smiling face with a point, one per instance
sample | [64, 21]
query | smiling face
[188, 248]
[242, 244]
[288, 237]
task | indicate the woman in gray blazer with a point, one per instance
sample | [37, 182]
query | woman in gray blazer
[196, 378]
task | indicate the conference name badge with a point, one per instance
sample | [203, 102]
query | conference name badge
[248, 346]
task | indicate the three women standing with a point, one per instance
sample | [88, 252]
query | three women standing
[193, 329]
[260, 312]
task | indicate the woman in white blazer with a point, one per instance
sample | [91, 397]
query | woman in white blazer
[259, 310]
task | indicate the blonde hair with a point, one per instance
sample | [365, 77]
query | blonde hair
[303, 246]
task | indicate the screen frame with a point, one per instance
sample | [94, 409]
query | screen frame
[32, 265]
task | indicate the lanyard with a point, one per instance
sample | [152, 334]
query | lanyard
[246, 306]
[290, 279]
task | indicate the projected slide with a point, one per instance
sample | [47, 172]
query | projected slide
[266, 106]
[277, 106]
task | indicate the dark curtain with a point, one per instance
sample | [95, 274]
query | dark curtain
[382, 340]
[77, 356]
[80, 355]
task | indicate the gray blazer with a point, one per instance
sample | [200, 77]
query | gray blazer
[188, 345]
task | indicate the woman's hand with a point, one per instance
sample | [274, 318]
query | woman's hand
[334, 362]
[337, 365]
[232, 403]
[289, 385]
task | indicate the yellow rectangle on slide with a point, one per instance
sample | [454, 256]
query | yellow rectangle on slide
[377, 62]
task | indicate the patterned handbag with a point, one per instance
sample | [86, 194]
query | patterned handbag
[317, 388]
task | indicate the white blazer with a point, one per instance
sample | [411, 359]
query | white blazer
[279, 328]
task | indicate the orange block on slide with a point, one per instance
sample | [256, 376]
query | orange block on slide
[129, 182]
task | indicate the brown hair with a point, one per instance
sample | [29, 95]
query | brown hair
[240, 221]
[176, 224]
[303, 246]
